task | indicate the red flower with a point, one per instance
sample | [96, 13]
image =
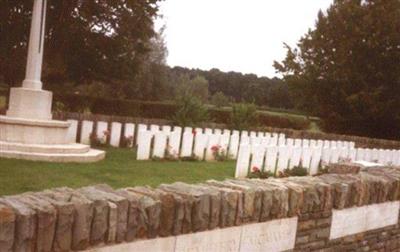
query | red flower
[256, 169]
[194, 132]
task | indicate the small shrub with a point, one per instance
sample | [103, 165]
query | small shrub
[190, 112]
[171, 155]
[244, 116]
[297, 171]
[219, 100]
[258, 173]
[127, 142]
[99, 142]
[219, 153]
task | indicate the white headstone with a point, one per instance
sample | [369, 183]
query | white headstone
[253, 134]
[178, 129]
[86, 131]
[166, 129]
[281, 140]
[306, 143]
[344, 153]
[352, 144]
[375, 155]
[115, 137]
[368, 155]
[313, 143]
[327, 144]
[200, 145]
[187, 143]
[141, 127]
[154, 129]
[360, 154]
[72, 131]
[243, 161]
[352, 155]
[129, 134]
[234, 145]
[298, 142]
[274, 139]
[283, 158]
[257, 158]
[290, 141]
[334, 144]
[295, 157]
[270, 158]
[208, 131]
[315, 160]
[260, 134]
[174, 143]
[244, 139]
[326, 155]
[382, 156]
[102, 131]
[213, 142]
[306, 157]
[335, 155]
[320, 143]
[160, 144]
[144, 145]
[224, 140]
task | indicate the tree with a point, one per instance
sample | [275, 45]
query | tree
[220, 100]
[346, 69]
[85, 40]
[193, 87]
[244, 116]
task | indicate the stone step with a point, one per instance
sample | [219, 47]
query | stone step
[89, 157]
[43, 148]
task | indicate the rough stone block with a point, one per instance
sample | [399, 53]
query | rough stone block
[7, 227]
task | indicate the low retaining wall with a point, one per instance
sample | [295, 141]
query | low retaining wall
[358, 212]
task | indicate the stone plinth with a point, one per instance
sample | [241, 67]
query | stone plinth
[42, 140]
[30, 104]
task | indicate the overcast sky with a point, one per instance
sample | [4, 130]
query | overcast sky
[235, 35]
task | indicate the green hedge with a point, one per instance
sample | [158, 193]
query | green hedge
[164, 110]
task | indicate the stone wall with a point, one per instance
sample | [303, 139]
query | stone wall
[332, 212]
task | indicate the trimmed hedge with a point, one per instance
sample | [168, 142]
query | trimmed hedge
[164, 110]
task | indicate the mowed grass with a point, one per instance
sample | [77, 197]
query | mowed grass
[119, 169]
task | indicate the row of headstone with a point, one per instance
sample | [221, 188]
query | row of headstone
[201, 144]
[308, 154]
[384, 157]
[116, 133]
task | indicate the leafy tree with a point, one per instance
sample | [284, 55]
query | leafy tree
[191, 111]
[346, 69]
[220, 100]
[85, 40]
[244, 116]
[192, 87]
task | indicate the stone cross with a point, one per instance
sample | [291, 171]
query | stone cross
[36, 43]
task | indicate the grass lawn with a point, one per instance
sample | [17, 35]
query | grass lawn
[119, 169]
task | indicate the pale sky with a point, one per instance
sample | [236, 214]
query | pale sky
[235, 35]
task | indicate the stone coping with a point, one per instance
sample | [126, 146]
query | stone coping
[34, 123]
[65, 219]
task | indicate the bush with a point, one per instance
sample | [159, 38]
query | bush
[244, 116]
[297, 171]
[257, 173]
[219, 100]
[191, 111]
